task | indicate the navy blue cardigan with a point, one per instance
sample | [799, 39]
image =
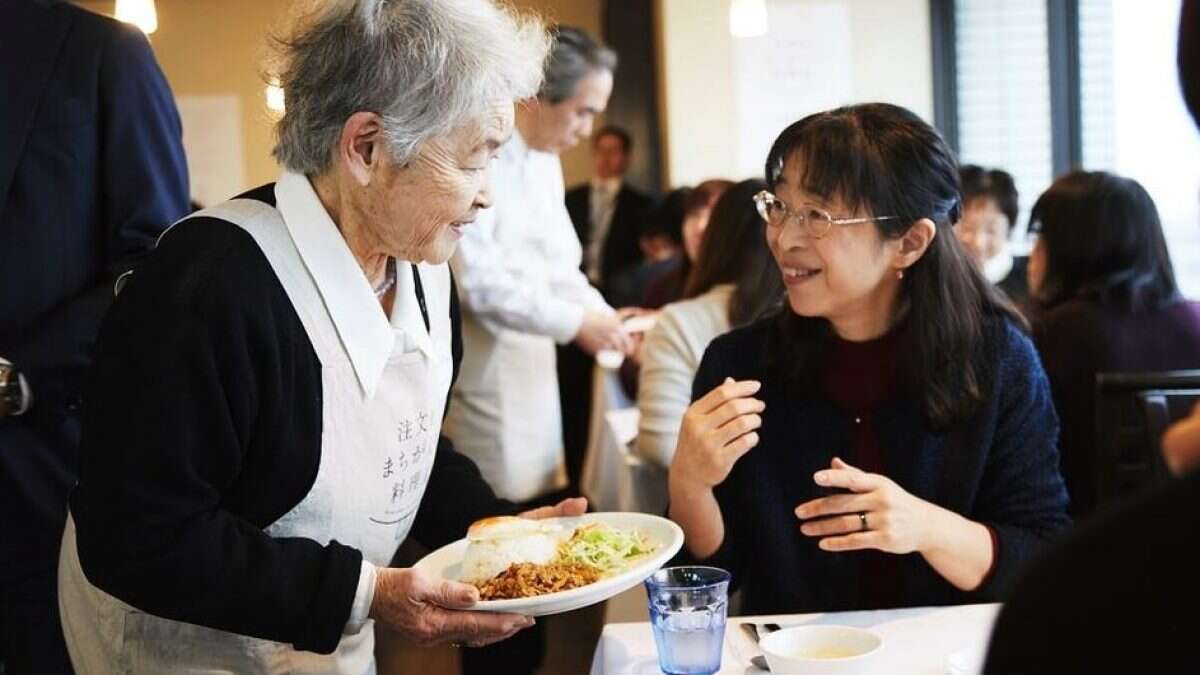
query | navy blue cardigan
[999, 468]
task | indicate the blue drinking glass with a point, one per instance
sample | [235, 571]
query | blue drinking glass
[687, 612]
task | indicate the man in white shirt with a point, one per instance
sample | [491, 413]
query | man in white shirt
[606, 212]
[522, 291]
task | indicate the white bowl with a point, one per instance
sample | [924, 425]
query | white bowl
[822, 650]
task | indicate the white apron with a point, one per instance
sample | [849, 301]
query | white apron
[506, 414]
[376, 456]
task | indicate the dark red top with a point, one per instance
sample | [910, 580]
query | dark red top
[861, 377]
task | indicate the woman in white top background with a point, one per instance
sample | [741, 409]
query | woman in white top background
[522, 291]
[731, 285]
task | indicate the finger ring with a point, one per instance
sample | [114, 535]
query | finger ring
[862, 520]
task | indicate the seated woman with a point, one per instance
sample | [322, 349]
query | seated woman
[888, 438]
[1103, 280]
[989, 214]
[734, 282]
[697, 208]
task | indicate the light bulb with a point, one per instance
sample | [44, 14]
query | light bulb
[140, 13]
[275, 97]
[748, 18]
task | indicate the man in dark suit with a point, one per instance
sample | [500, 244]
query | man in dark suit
[606, 212]
[607, 215]
[91, 172]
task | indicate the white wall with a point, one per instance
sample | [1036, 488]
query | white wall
[889, 55]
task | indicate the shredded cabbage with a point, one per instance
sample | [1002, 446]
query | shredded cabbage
[603, 547]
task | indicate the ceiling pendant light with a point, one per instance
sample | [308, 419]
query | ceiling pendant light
[748, 18]
[140, 13]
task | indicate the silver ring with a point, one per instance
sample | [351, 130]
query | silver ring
[862, 519]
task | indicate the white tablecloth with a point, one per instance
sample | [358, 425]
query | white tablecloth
[918, 641]
[613, 478]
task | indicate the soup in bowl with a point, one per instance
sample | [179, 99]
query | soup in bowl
[822, 650]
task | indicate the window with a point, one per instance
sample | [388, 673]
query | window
[1003, 83]
[1134, 121]
[1037, 87]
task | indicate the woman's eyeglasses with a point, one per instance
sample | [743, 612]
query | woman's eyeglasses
[816, 222]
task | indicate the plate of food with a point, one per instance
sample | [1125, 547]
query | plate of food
[540, 567]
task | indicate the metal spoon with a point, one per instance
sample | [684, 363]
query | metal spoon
[759, 661]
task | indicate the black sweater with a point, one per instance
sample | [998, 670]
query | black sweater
[999, 468]
[201, 427]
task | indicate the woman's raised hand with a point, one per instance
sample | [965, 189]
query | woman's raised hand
[716, 431]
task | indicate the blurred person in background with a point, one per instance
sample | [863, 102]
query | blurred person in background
[607, 212]
[990, 207]
[92, 171]
[734, 282]
[1107, 301]
[523, 292]
[696, 210]
[660, 238]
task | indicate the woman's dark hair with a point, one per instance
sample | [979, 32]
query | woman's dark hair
[882, 159]
[704, 195]
[1103, 240]
[993, 184]
[735, 252]
[1189, 55]
[666, 216]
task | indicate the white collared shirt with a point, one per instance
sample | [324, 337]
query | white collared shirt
[366, 334]
[517, 265]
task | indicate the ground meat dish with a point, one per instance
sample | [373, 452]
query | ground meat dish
[523, 580]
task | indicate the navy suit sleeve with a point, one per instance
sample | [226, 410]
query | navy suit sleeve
[174, 412]
[1022, 495]
[143, 188]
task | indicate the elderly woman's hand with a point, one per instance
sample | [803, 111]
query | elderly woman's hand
[430, 611]
[575, 506]
[875, 514]
[716, 431]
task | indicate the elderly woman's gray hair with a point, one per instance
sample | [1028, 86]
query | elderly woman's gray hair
[427, 67]
[576, 54]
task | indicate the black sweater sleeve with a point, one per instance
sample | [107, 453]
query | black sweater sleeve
[203, 373]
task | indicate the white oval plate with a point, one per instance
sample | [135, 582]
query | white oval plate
[445, 563]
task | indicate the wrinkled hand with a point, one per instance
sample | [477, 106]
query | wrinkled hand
[716, 431]
[429, 611]
[896, 520]
[575, 506]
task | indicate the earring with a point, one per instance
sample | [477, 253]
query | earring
[899, 274]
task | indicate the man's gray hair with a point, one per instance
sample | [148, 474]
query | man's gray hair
[575, 56]
[427, 67]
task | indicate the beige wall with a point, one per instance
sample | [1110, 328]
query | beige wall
[209, 47]
[891, 62]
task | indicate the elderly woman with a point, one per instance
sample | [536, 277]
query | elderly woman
[887, 439]
[261, 431]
